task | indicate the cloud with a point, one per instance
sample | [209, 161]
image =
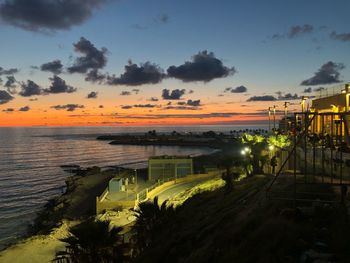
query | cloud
[307, 90]
[134, 75]
[239, 89]
[136, 91]
[47, 15]
[10, 71]
[125, 93]
[92, 95]
[10, 84]
[296, 31]
[181, 107]
[194, 103]
[327, 74]
[25, 108]
[342, 37]
[58, 85]
[101, 106]
[319, 89]
[9, 110]
[175, 94]
[161, 19]
[145, 105]
[68, 107]
[126, 107]
[54, 67]
[153, 99]
[138, 27]
[92, 57]
[289, 96]
[262, 98]
[30, 89]
[5, 97]
[204, 66]
[95, 76]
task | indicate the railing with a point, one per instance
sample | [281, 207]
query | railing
[330, 91]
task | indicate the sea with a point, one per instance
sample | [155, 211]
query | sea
[31, 159]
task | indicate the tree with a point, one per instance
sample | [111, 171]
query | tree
[280, 141]
[150, 220]
[94, 241]
[256, 144]
[228, 163]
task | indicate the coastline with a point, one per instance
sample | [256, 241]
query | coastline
[53, 221]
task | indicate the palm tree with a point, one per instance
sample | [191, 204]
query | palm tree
[94, 241]
[150, 220]
[228, 163]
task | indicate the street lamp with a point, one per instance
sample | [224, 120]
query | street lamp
[274, 118]
[303, 99]
[269, 119]
[285, 115]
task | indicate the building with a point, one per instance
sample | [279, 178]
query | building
[164, 167]
[332, 113]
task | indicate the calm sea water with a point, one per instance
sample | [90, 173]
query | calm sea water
[30, 160]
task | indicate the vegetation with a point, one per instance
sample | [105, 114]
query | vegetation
[94, 241]
[280, 141]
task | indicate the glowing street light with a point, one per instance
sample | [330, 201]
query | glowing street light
[269, 119]
[285, 115]
[271, 147]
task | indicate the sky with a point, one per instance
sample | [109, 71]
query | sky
[162, 62]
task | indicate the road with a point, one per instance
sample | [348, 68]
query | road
[178, 188]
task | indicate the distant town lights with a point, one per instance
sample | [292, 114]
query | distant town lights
[245, 151]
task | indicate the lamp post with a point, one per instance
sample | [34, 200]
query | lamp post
[285, 115]
[274, 118]
[269, 119]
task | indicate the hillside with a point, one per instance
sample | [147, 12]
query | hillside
[243, 226]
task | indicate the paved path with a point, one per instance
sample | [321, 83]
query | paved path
[178, 188]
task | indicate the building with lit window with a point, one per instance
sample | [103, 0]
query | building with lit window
[165, 167]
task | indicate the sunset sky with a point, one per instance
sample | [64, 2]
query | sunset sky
[161, 62]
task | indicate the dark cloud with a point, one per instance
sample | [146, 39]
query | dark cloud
[181, 107]
[95, 76]
[101, 106]
[319, 89]
[134, 75]
[92, 95]
[126, 107]
[327, 74]
[145, 105]
[262, 98]
[125, 93]
[308, 90]
[136, 91]
[68, 107]
[239, 89]
[58, 85]
[153, 99]
[92, 57]
[138, 27]
[204, 66]
[5, 97]
[342, 37]
[9, 110]
[25, 108]
[296, 31]
[47, 15]
[54, 67]
[10, 71]
[190, 91]
[175, 94]
[30, 89]
[35, 99]
[289, 96]
[194, 103]
[10, 84]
